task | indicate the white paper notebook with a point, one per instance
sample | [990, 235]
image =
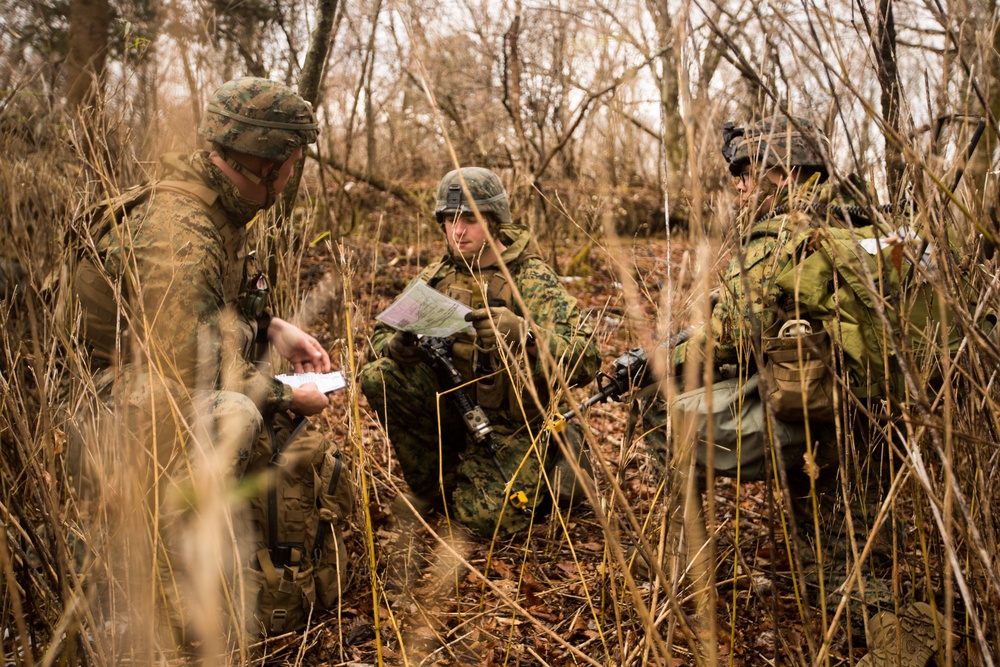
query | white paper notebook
[325, 382]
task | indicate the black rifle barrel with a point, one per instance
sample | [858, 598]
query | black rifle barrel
[439, 350]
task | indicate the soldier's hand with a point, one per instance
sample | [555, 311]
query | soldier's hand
[405, 350]
[497, 322]
[294, 344]
[308, 400]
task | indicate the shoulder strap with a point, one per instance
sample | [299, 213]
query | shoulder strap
[324, 526]
[202, 192]
[499, 285]
[100, 218]
[115, 210]
[433, 268]
[524, 256]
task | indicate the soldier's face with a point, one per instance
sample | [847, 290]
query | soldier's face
[744, 185]
[466, 235]
[285, 170]
[749, 181]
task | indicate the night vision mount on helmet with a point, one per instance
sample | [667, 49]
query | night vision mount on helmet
[259, 117]
[782, 141]
[487, 192]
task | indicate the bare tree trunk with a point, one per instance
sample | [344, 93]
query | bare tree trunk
[194, 98]
[673, 138]
[888, 78]
[319, 51]
[311, 81]
[512, 87]
[524, 161]
[980, 165]
[370, 145]
[89, 23]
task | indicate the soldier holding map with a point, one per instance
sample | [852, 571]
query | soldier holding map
[519, 316]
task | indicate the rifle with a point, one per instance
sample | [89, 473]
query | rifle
[439, 350]
[629, 372]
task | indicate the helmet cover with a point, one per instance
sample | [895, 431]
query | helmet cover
[259, 117]
[487, 192]
[783, 141]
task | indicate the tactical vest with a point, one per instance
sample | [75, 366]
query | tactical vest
[496, 387]
[99, 295]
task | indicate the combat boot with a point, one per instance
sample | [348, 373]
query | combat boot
[907, 641]
[409, 508]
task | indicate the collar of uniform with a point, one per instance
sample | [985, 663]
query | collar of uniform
[519, 238]
[199, 167]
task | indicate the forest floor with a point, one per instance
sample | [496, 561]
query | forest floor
[556, 595]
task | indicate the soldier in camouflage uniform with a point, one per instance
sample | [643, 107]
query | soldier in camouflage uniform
[772, 164]
[779, 167]
[177, 254]
[173, 307]
[512, 322]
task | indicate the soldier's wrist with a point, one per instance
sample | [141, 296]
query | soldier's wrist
[285, 397]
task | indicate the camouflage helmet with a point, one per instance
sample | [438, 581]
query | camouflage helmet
[259, 117]
[485, 187]
[782, 141]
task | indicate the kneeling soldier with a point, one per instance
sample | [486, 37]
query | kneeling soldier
[515, 319]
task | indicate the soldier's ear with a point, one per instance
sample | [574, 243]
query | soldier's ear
[494, 225]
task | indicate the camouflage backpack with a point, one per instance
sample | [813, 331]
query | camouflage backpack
[300, 513]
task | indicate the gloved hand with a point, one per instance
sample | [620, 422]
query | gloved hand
[405, 350]
[498, 321]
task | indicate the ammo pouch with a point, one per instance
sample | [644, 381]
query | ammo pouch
[497, 390]
[493, 391]
[490, 389]
[493, 388]
[800, 365]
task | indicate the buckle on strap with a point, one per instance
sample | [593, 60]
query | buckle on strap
[278, 618]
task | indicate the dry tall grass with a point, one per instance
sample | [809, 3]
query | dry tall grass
[77, 562]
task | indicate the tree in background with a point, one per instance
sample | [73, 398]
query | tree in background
[89, 28]
[580, 105]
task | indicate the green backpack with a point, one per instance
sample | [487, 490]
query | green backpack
[841, 280]
[300, 514]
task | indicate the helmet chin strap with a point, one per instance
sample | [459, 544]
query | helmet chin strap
[238, 167]
[272, 194]
[266, 180]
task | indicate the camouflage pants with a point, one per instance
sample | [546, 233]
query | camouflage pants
[177, 455]
[818, 507]
[440, 462]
